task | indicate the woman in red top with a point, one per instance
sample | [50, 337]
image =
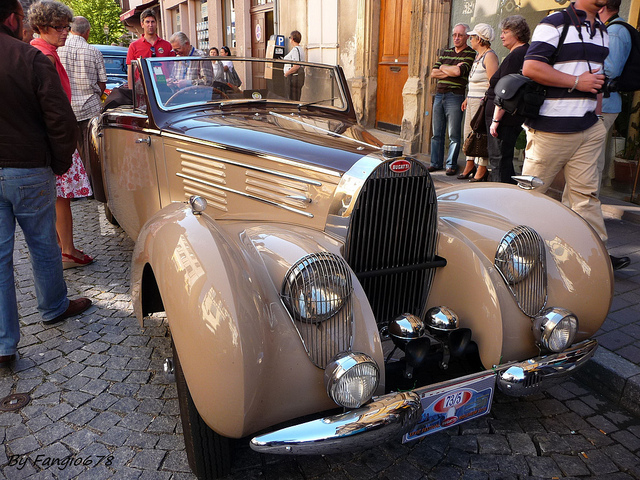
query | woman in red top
[51, 19]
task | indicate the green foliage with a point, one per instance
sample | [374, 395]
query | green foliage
[104, 17]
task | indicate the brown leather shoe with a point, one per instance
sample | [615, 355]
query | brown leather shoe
[433, 169]
[75, 307]
[451, 171]
[6, 360]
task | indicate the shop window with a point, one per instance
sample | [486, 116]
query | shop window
[229, 23]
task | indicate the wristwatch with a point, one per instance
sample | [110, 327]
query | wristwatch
[495, 121]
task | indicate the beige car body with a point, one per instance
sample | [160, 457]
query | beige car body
[219, 274]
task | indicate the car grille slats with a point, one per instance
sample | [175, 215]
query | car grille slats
[392, 238]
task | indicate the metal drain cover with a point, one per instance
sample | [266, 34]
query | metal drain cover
[13, 402]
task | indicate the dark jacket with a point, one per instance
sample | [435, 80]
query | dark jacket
[37, 126]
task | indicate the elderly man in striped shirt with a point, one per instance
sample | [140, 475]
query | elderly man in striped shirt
[568, 134]
[452, 72]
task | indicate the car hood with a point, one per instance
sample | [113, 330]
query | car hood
[315, 140]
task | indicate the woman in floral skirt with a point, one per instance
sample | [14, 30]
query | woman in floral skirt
[51, 20]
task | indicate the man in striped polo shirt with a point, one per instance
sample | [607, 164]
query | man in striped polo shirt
[452, 72]
[568, 133]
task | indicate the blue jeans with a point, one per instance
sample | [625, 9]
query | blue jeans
[446, 112]
[29, 196]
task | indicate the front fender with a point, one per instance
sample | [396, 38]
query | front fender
[241, 355]
[579, 274]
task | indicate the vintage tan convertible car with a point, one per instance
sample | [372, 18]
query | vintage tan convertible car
[320, 295]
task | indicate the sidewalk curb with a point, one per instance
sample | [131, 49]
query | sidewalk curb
[620, 209]
[614, 377]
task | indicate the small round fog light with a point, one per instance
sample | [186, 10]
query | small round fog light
[351, 379]
[555, 329]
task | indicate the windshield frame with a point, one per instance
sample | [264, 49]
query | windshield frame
[340, 92]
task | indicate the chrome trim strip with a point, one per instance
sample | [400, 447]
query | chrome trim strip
[115, 113]
[227, 189]
[251, 167]
[245, 151]
[392, 415]
[323, 130]
[346, 193]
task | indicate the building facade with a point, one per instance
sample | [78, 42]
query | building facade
[386, 47]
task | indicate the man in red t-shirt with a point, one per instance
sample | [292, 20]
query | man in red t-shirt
[149, 45]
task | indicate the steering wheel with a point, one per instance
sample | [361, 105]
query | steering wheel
[218, 92]
[193, 91]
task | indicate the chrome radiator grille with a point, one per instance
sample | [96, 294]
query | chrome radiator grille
[392, 240]
[521, 261]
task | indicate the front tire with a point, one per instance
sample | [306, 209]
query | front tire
[209, 454]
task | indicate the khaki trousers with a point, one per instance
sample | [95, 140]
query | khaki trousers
[547, 153]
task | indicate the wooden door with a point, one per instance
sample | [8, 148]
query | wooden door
[261, 31]
[393, 59]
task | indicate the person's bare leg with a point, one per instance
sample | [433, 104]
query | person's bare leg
[64, 227]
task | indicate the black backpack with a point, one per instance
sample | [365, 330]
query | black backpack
[629, 79]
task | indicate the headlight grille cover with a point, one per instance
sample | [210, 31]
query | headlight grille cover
[521, 260]
[317, 292]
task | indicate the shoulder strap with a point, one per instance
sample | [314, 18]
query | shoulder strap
[563, 36]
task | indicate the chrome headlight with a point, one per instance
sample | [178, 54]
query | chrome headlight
[517, 254]
[316, 287]
[351, 379]
[555, 329]
[521, 260]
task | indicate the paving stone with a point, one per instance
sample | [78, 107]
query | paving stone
[549, 443]
[544, 467]
[57, 412]
[75, 399]
[521, 443]
[96, 360]
[104, 421]
[627, 439]
[81, 416]
[39, 422]
[176, 462]
[624, 459]
[16, 431]
[602, 424]
[52, 433]
[116, 436]
[123, 389]
[95, 387]
[599, 463]
[512, 465]
[141, 440]
[571, 465]
[24, 445]
[148, 459]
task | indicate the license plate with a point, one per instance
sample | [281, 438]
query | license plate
[454, 404]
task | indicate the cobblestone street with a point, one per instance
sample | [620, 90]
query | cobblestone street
[102, 407]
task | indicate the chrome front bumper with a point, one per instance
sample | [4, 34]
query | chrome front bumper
[395, 414]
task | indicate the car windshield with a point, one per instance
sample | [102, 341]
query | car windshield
[223, 81]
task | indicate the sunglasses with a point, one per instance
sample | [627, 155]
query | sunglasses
[59, 28]
[153, 51]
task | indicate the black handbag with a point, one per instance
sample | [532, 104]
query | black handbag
[519, 95]
[475, 145]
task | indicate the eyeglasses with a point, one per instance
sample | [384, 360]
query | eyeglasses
[153, 51]
[59, 28]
